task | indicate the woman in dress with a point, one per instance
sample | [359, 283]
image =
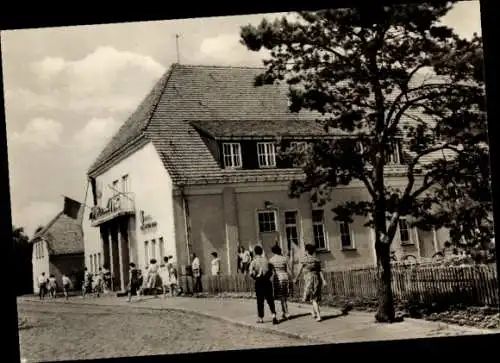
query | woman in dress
[164, 276]
[313, 279]
[279, 265]
[153, 276]
[172, 275]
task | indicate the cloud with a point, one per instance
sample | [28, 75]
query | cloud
[94, 135]
[104, 80]
[34, 214]
[226, 49]
[39, 132]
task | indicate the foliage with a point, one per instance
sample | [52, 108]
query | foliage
[22, 261]
[380, 75]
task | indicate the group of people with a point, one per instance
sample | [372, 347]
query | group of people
[98, 283]
[47, 286]
[264, 271]
[164, 277]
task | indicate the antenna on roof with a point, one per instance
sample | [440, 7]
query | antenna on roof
[177, 47]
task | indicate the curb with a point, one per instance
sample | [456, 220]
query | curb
[254, 327]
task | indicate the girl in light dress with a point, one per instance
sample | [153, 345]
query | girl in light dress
[313, 279]
[281, 279]
[164, 276]
[153, 277]
[172, 275]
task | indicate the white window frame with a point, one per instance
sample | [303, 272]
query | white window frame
[146, 253]
[161, 248]
[275, 216]
[153, 249]
[292, 225]
[232, 154]
[411, 240]
[125, 184]
[395, 156]
[267, 152]
[350, 233]
[323, 225]
[301, 145]
[99, 260]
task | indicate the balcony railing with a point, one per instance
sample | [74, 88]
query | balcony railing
[118, 205]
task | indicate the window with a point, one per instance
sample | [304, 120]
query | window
[41, 249]
[115, 187]
[266, 152]
[404, 231]
[99, 261]
[162, 247]
[146, 253]
[232, 155]
[394, 156]
[267, 221]
[318, 220]
[298, 145]
[345, 236]
[96, 266]
[153, 248]
[36, 250]
[291, 230]
[125, 184]
[90, 263]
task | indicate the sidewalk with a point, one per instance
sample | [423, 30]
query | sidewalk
[335, 328]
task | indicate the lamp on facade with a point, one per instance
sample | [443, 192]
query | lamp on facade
[268, 204]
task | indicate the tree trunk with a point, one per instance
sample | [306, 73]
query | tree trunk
[385, 312]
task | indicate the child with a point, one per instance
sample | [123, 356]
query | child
[66, 281]
[52, 286]
[87, 283]
[134, 281]
[97, 285]
[172, 273]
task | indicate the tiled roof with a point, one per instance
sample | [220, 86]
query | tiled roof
[64, 235]
[251, 128]
[221, 101]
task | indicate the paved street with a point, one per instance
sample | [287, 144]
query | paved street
[109, 326]
[76, 331]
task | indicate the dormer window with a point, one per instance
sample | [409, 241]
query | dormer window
[232, 155]
[266, 152]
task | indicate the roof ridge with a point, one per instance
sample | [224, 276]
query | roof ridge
[218, 66]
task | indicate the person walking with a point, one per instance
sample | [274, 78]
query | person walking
[281, 277]
[42, 285]
[313, 279]
[164, 276]
[260, 271]
[52, 286]
[196, 269]
[215, 264]
[172, 275]
[66, 283]
[134, 282]
[153, 277]
[246, 258]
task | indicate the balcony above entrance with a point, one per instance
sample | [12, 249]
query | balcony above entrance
[118, 205]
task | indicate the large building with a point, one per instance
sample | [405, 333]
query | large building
[58, 248]
[195, 169]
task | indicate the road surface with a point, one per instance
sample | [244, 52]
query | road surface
[55, 331]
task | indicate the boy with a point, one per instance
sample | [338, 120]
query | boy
[260, 271]
[66, 285]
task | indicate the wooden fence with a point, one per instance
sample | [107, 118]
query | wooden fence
[472, 285]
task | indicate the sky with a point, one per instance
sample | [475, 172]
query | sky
[68, 89]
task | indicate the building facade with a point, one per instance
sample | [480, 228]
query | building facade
[195, 169]
[58, 249]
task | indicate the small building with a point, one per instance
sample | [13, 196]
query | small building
[195, 170]
[58, 248]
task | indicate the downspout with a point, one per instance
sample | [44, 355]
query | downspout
[187, 224]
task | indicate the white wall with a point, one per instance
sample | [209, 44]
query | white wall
[40, 261]
[151, 186]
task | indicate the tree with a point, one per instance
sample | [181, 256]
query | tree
[22, 258]
[379, 75]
